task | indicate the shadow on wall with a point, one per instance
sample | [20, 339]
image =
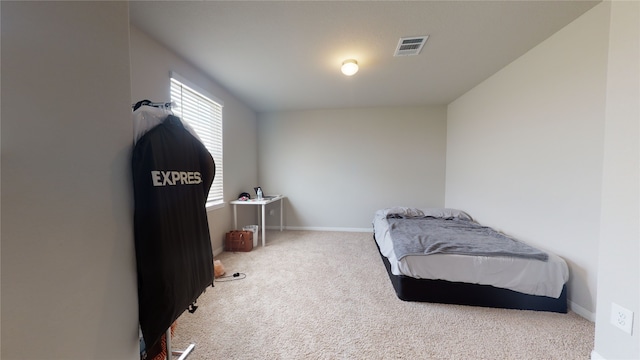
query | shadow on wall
[272, 216]
[579, 288]
[248, 215]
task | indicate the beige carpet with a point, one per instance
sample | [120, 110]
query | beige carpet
[326, 295]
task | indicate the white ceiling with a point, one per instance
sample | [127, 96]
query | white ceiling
[286, 55]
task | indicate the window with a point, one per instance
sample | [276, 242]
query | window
[205, 116]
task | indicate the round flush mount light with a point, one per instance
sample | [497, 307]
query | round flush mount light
[349, 67]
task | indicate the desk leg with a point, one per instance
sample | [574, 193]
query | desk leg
[281, 201]
[235, 217]
[264, 236]
[258, 217]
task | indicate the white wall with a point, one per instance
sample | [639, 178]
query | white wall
[338, 166]
[525, 149]
[151, 64]
[619, 250]
[68, 265]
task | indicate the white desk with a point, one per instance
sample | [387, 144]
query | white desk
[263, 204]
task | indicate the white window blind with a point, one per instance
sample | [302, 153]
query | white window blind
[205, 116]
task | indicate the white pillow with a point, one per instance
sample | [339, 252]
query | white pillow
[446, 213]
[404, 211]
[443, 213]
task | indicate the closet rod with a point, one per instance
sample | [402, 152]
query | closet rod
[162, 104]
[166, 105]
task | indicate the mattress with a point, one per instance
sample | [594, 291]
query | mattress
[528, 276]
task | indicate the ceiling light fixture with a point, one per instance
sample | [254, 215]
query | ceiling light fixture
[349, 67]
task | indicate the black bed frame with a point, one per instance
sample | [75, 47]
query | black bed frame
[447, 292]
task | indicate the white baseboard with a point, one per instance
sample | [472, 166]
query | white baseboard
[596, 356]
[218, 251]
[582, 311]
[313, 228]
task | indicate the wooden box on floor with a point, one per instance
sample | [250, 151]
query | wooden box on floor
[237, 240]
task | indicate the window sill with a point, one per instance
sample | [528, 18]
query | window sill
[215, 205]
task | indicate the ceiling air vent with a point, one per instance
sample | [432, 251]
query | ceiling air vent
[410, 45]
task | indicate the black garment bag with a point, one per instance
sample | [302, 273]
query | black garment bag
[172, 174]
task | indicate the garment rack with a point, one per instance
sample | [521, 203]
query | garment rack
[182, 354]
[170, 353]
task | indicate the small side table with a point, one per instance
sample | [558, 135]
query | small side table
[263, 203]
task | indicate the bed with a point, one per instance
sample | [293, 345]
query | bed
[476, 265]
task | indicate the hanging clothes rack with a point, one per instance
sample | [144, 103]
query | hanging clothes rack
[166, 106]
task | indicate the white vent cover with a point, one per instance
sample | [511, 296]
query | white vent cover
[410, 45]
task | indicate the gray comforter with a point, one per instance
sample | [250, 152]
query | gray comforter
[427, 235]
